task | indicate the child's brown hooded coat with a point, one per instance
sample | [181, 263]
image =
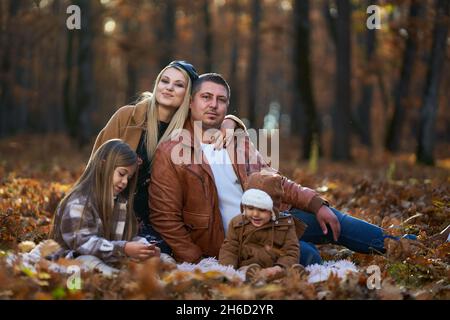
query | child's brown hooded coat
[275, 243]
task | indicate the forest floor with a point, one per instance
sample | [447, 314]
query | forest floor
[392, 192]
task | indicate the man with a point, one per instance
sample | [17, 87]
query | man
[192, 200]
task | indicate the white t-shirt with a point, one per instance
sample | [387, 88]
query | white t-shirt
[227, 183]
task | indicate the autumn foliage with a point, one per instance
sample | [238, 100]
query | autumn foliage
[395, 193]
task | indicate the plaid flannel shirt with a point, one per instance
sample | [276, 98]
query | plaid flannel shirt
[81, 233]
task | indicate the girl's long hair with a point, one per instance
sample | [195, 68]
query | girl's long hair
[177, 121]
[96, 186]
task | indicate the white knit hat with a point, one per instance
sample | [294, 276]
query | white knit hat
[258, 199]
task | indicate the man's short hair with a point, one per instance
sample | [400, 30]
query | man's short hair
[210, 77]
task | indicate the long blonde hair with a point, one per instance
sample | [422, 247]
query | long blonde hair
[177, 121]
[96, 185]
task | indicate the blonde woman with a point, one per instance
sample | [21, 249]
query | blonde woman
[94, 222]
[152, 120]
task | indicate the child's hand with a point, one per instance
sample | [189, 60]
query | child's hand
[140, 251]
[155, 251]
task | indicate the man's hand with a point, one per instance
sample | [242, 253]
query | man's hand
[325, 216]
[224, 137]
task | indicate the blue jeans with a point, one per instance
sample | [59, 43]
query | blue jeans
[357, 235]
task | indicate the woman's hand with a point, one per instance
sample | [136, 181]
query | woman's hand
[224, 137]
[141, 251]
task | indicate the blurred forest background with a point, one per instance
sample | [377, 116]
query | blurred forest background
[310, 68]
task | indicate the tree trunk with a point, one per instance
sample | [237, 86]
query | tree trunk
[363, 109]
[208, 37]
[394, 130]
[341, 116]
[131, 28]
[23, 81]
[68, 97]
[56, 113]
[7, 100]
[426, 137]
[303, 76]
[330, 20]
[79, 104]
[234, 103]
[131, 81]
[253, 69]
[167, 33]
[86, 82]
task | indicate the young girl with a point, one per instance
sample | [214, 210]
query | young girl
[94, 222]
[262, 241]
